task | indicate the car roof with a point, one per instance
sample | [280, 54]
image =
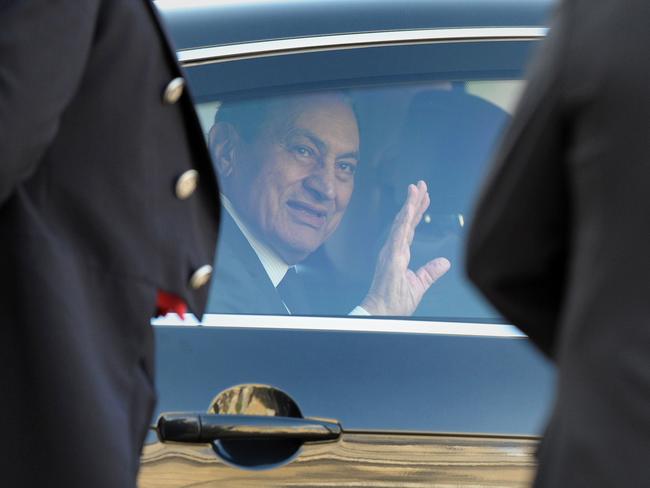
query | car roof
[201, 23]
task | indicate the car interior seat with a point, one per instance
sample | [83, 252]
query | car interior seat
[446, 140]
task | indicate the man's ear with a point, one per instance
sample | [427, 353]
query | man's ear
[222, 141]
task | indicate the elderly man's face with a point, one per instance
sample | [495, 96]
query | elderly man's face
[293, 183]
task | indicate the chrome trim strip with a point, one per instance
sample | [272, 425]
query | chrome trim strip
[347, 324]
[230, 52]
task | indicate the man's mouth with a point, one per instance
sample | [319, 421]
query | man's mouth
[308, 214]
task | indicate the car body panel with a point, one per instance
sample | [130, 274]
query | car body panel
[434, 383]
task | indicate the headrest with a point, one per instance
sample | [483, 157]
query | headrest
[446, 139]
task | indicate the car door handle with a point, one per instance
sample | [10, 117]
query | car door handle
[203, 428]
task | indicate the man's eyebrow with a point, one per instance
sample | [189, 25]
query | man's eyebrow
[313, 138]
[322, 147]
[353, 155]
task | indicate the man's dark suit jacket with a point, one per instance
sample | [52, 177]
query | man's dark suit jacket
[561, 237]
[241, 284]
[90, 229]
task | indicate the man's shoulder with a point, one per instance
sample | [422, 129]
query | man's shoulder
[241, 284]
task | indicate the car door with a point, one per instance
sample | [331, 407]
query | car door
[449, 395]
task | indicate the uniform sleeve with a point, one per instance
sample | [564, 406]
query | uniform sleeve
[44, 45]
[518, 242]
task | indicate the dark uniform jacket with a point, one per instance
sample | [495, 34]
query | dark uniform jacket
[241, 284]
[561, 237]
[93, 141]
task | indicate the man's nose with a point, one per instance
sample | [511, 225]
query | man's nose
[321, 183]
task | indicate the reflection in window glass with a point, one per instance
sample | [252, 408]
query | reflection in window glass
[323, 213]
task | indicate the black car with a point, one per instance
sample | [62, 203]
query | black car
[319, 115]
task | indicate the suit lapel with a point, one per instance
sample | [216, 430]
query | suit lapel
[241, 282]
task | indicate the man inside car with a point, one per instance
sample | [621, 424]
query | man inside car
[287, 168]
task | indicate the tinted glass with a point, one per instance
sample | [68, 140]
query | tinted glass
[364, 146]
[315, 154]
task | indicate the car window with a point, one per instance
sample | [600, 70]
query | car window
[312, 181]
[432, 112]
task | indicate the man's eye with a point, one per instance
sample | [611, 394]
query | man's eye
[303, 151]
[347, 168]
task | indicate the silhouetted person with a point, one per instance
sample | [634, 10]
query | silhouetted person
[100, 210]
[561, 236]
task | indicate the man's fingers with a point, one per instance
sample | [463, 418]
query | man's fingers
[432, 271]
[412, 210]
[424, 205]
[404, 215]
[421, 203]
[409, 216]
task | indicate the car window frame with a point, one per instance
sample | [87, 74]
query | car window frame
[279, 47]
[201, 56]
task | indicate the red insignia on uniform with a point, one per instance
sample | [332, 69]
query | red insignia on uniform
[170, 303]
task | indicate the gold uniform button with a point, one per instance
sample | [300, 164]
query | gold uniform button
[201, 276]
[186, 184]
[174, 90]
